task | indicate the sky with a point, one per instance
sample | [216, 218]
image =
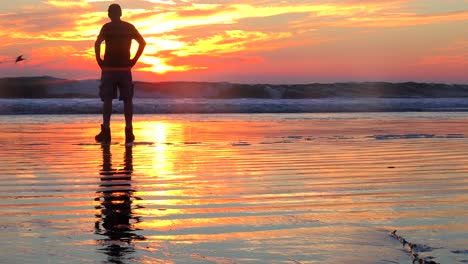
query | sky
[246, 41]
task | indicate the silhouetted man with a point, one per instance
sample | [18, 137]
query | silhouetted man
[116, 70]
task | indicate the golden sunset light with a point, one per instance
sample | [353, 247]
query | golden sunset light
[247, 41]
[234, 131]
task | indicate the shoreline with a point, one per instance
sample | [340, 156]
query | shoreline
[218, 106]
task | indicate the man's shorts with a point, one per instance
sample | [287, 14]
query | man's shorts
[113, 79]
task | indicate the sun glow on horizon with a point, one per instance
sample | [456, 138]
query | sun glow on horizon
[159, 65]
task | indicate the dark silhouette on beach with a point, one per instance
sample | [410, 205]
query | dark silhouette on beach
[116, 70]
[116, 220]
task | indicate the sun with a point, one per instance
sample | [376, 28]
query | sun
[157, 65]
[160, 65]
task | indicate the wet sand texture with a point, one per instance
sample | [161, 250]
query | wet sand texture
[297, 188]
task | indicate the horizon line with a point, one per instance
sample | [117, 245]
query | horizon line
[249, 83]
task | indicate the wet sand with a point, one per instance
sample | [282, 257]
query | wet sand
[253, 188]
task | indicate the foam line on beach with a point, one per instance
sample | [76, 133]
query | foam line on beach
[247, 105]
[415, 250]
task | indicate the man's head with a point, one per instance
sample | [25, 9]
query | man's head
[114, 12]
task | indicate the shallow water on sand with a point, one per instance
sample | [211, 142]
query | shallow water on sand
[280, 188]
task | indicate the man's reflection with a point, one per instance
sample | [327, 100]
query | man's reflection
[115, 219]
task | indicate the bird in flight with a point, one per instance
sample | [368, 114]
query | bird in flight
[19, 58]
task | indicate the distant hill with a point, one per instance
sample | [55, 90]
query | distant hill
[47, 87]
[50, 87]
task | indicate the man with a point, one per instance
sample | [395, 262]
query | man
[116, 70]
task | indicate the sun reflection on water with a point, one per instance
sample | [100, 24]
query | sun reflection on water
[160, 160]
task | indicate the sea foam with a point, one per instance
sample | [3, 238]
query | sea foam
[162, 106]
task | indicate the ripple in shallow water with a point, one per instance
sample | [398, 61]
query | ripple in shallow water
[332, 199]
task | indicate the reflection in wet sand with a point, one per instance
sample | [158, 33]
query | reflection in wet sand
[116, 221]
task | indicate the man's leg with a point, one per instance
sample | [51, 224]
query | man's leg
[105, 135]
[106, 112]
[126, 95]
[107, 92]
[128, 112]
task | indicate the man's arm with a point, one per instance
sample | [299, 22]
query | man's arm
[141, 47]
[97, 50]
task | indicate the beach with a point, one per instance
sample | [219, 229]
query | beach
[235, 188]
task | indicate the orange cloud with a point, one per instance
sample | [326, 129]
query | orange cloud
[51, 24]
[460, 59]
[53, 53]
[454, 55]
[212, 14]
[69, 4]
[164, 2]
[371, 14]
[402, 20]
[231, 41]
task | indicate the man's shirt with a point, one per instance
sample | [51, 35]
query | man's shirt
[118, 38]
